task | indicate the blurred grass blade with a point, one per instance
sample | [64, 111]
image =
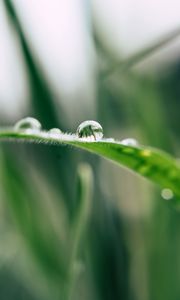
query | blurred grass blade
[82, 205]
[40, 239]
[79, 218]
[40, 92]
[84, 190]
[142, 54]
[42, 101]
[151, 163]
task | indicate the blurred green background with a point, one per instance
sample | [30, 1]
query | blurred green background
[73, 225]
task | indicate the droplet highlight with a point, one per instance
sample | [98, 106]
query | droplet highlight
[55, 131]
[90, 129]
[167, 194]
[130, 142]
[27, 124]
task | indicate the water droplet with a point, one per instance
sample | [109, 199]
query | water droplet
[28, 124]
[90, 129]
[129, 142]
[167, 194]
[55, 131]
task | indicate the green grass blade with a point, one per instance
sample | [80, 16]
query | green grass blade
[41, 95]
[79, 221]
[151, 163]
[42, 101]
[25, 211]
[83, 199]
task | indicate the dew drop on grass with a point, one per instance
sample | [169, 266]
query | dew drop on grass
[129, 142]
[167, 194]
[90, 129]
[27, 124]
[55, 131]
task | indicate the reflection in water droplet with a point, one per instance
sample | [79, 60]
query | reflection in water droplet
[90, 129]
[55, 131]
[28, 124]
[129, 142]
[167, 194]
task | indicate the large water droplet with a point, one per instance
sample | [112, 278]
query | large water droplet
[27, 124]
[129, 142]
[55, 131]
[167, 194]
[90, 129]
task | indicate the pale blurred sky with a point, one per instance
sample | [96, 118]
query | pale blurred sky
[59, 33]
[13, 87]
[129, 25]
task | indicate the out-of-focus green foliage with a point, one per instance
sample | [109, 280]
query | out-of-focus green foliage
[71, 230]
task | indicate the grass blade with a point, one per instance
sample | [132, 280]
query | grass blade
[151, 163]
[79, 221]
[142, 54]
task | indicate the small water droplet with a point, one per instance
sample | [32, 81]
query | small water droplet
[90, 129]
[55, 131]
[167, 194]
[27, 124]
[129, 142]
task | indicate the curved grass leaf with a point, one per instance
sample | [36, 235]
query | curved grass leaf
[79, 221]
[151, 163]
[23, 206]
